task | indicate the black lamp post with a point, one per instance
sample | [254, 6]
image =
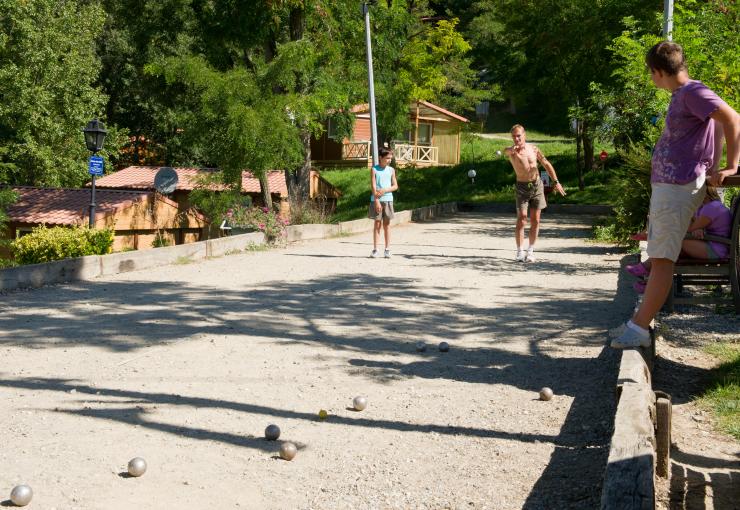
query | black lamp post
[94, 138]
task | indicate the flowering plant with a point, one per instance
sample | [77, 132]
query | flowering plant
[258, 218]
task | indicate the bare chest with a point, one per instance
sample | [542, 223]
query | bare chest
[524, 159]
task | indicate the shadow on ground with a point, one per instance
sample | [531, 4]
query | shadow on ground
[127, 316]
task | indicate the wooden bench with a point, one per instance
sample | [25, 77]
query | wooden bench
[703, 273]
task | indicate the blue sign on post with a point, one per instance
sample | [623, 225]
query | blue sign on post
[96, 165]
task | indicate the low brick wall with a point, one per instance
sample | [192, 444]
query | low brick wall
[87, 268]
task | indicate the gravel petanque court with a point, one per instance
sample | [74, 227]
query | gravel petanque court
[185, 366]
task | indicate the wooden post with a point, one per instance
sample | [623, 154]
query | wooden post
[414, 151]
[663, 412]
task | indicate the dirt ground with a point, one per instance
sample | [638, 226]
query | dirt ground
[705, 464]
[186, 365]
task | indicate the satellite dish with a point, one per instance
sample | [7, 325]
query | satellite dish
[166, 180]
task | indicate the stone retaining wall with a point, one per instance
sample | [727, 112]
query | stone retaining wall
[93, 266]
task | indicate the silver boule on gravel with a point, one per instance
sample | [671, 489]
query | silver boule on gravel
[359, 403]
[421, 346]
[546, 393]
[21, 495]
[136, 466]
[288, 451]
[272, 432]
[444, 347]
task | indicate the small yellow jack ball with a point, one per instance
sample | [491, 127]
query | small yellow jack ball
[323, 414]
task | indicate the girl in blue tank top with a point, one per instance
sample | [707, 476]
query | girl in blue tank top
[383, 183]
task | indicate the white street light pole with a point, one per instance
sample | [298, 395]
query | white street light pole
[668, 19]
[371, 84]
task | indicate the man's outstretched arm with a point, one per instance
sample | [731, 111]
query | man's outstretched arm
[550, 170]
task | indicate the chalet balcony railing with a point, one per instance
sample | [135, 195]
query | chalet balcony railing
[409, 153]
[356, 150]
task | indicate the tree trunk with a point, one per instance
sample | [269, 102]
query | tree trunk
[297, 23]
[265, 188]
[588, 148]
[299, 181]
[579, 167]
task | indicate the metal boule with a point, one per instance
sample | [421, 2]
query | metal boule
[546, 393]
[136, 467]
[288, 451]
[359, 403]
[21, 495]
[272, 432]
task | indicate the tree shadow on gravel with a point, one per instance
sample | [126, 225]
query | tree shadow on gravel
[141, 406]
[127, 316]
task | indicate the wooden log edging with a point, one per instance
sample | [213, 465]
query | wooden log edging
[629, 479]
[93, 266]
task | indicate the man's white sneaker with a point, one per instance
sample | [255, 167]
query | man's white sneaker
[520, 256]
[631, 338]
[374, 254]
[529, 257]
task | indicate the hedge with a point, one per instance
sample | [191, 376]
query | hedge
[46, 244]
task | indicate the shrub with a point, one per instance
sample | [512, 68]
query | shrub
[309, 211]
[631, 189]
[258, 218]
[46, 244]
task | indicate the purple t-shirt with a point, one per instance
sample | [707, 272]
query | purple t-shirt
[686, 148]
[721, 223]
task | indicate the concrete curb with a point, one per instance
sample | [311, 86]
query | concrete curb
[593, 210]
[629, 479]
[93, 266]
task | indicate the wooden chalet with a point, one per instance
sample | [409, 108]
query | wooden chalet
[432, 140]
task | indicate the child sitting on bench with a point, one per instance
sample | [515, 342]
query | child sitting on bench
[712, 218]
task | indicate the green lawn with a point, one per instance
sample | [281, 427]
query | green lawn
[493, 182]
[723, 396]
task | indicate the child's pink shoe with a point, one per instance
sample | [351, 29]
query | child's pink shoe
[640, 286]
[638, 270]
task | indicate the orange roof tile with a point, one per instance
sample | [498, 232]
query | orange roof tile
[142, 177]
[65, 206]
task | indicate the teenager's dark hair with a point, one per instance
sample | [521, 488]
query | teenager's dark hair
[666, 56]
[383, 152]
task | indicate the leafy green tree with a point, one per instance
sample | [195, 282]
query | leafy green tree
[7, 197]
[418, 57]
[136, 33]
[47, 70]
[630, 108]
[239, 121]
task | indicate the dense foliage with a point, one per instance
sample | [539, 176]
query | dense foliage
[263, 219]
[237, 83]
[47, 244]
[47, 69]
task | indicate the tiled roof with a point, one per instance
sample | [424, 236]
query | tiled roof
[142, 177]
[65, 206]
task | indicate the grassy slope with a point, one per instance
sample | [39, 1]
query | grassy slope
[493, 182]
[723, 397]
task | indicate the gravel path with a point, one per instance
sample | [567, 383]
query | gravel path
[185, 366]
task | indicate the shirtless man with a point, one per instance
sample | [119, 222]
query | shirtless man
[530, 191]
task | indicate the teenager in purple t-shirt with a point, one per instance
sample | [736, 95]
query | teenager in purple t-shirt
[712, 218]
[684, 153]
